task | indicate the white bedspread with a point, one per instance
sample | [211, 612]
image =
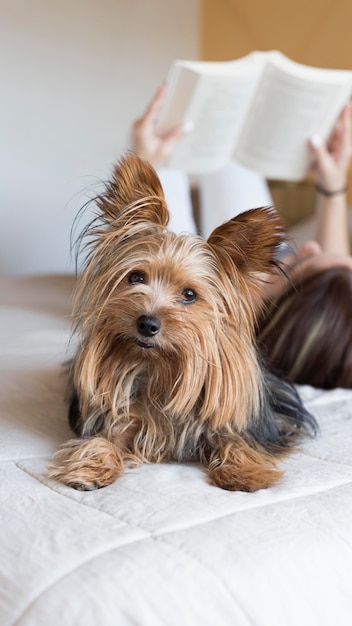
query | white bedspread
[161, 546]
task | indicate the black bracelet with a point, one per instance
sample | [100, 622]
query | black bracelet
[329, 194]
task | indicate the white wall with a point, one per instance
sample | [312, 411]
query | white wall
[74, 74]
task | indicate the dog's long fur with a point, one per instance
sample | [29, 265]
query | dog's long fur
[167, 367]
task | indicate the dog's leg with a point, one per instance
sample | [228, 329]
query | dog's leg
[238, 467]
[87, 464]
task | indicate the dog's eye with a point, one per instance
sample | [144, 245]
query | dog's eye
[136, 277]
[189, 295]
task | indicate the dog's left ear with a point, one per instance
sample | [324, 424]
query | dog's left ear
[134, 193]
[249, 241]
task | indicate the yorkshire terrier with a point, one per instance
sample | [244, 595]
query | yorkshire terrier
[167, 367]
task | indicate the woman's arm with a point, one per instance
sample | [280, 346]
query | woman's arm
[331, 166]
[332, 245]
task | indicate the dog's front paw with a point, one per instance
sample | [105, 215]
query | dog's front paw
[87, 464]
[237, 467]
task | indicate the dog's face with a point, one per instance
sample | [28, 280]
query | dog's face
[177, 309]
[166, 296]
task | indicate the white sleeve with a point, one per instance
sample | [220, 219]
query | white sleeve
[177, 192]
[227, 193]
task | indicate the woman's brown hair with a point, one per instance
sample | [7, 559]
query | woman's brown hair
[307, 333]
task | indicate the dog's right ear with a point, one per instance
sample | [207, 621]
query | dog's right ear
[134, 193]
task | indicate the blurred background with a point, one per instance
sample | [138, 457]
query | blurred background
[76, 73]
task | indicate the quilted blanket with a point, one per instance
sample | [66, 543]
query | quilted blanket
[161, 546]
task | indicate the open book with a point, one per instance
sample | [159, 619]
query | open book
[261, 110]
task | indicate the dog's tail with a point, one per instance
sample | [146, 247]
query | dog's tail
[283, 419]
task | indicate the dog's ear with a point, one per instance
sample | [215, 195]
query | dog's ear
[249, 241]
[134, 193]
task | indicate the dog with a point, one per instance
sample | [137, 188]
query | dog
[167, 367]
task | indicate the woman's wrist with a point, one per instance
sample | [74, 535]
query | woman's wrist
[329, 192]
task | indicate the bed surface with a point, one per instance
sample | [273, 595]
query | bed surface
[160, 546]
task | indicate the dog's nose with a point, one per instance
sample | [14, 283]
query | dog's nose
[148, 326]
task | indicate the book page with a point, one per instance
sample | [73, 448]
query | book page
[181, 84]
[215, 109]
[287, 110]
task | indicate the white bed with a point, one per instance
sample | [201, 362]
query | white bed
[161, 546]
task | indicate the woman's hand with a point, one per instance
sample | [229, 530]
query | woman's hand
[333, 158]
[146, 143]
